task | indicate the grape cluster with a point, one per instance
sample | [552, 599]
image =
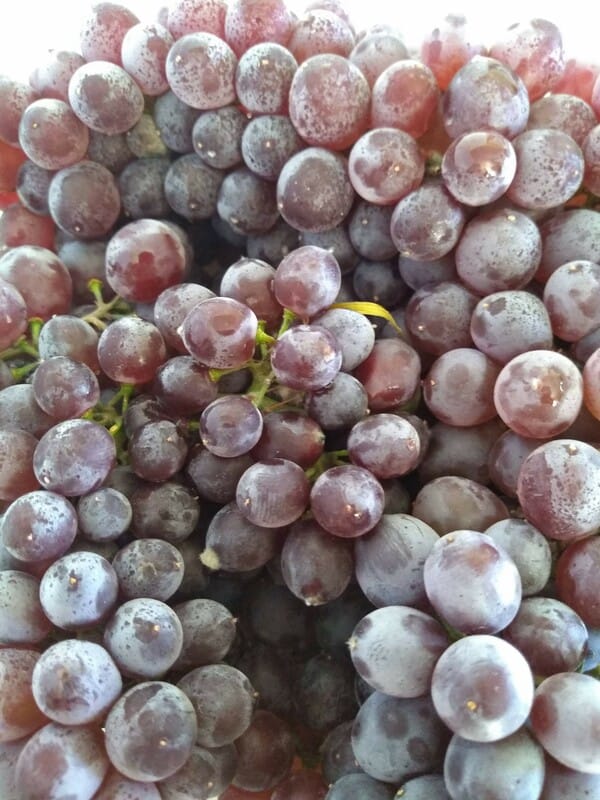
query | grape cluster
[299, 412]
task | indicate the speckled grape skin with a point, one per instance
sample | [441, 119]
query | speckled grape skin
[385, 164]
[144, 52]
[201, 71]
[263, 78]
[38, 525]
[22, 618]
[151, 731]
[559, 489]
[105, 97]
[20, 716]
[451, 502]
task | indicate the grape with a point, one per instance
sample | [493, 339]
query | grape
[217, 137]
[22, 618]
[568, 236]
[319, 31]
[187, 16]
[41, 279]
[14, 99]
[263, 78]
[20, 411]
[564, 112]
[562, 718]
[385, 444]
[314, 192]
[247, 203]
[395, 650]
[268, 143]
[32, 184]
[13, 314]
[482, 688]
[390, 374]
[167, 510]
[144, 52]
[566, 296]
[16, 473]
[485, 95]
[215, 478]
[448, 48]
[200, 70]
[576, 579]
[337, 241]
[307, 281]
[141, 185]
[223, 699]
[19, 226]
[75, 682]
[273, 245]
[340, 405]
[316, 566]
[103, 30]
[306, 357]
[376, 51]
[130, 350]
[478, 167]
[38, 526]
[103, 515]
[84, 200]
[534, 50]
[324, 692]
[565, 506]
[560, 782]
[149, 568]
[175, 122]
[105, 97]
[192, 187]
[438, 316]
[19, 714]
[354, 333]
[248, 22]
[235, 544]
[74, 759]
[265, 752]
[337, 757]
[425, 787]
[118, 787]
[208, 633]
[513, 767]
[369, 232]
[347, 501]
[150, 731]
[405, 96]
[220, 333]
[50, 77]
[273, 493]
[204, 773]
[359, 785]
[528, 548]
[65, 388]
[394, 738]
[51, 135]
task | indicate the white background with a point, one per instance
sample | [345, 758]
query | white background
[30, 27]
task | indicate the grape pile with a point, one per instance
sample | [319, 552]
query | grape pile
[299, 412]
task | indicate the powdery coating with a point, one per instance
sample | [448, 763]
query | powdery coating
[38, 525]
[478, 167]
[385, 164]
[528, 548]
[307, 281]
[570, 296]
[395, 737]
[16, 464]
[19, 410]
[111, 151]
[201, 71]
[472, 583]
[158, 450]
[223, 699]
[320, 31]
[168, 511]
[103, 30]
[484, 95]
[118, 787]
[347, 501]
[105, 97]
[450, 502]
[51, 77]
[175, 121]
[230, 426]
[427, 223]
[482, 688]
[144, 636]
[103, 515]
[568, 236]
[40, 277]
[51, 135]
[558, 489]
[375, 52]
[314, 192]
[268, 143]
[58, 758]
[66, 335]
[563, 782]
[549, 169]
[248, 22]
[535, 51]
[354, 333]
[539, 393]
[385, 444]
[565, 719]
[65, 388]
[315, 566]
[273, 492]
[150, 568]
[22, 618]
[19, 714]
[306, 357]
[395, 650]
[75, 682]
[144, 53]
[391, 374]
[247, 203]
[515, 766]
[220, 333]
[130, 350]
[150, 731]
[552, 637]
[14, 99]
[190, 16]
[405, 96]
[78, 590]
[208, 632]
[566, 113]
[84, 200]
[459, 387]
[263, 78]
[329, 102]
[217, 136]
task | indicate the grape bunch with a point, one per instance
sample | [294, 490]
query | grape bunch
[299, 412]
